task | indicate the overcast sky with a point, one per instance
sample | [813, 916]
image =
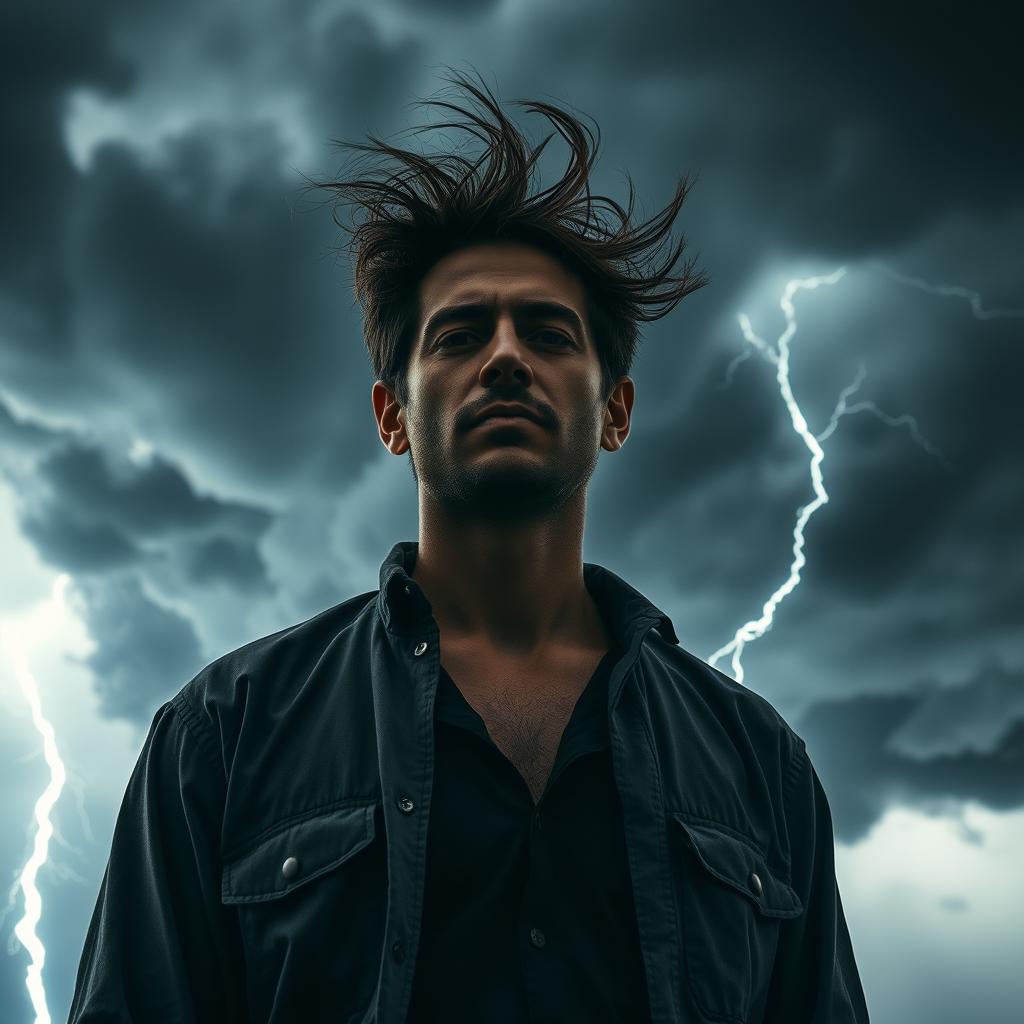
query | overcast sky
[186, 429]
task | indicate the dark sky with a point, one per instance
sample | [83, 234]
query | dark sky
[186, 429]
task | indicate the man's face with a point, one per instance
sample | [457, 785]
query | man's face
[526, 341]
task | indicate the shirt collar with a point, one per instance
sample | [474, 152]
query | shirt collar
[403, 606]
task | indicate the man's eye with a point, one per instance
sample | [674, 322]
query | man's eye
[454, 334]
[557, 336]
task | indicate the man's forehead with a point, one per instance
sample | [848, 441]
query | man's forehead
[463, 275]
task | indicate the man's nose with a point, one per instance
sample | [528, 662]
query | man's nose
[507, 352]
[505, 335]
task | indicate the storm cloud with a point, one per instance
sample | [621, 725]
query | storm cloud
[933, 746]
[185, 420]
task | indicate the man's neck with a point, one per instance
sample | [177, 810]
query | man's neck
[516, 592]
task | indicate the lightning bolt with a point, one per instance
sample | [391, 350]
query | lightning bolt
[17, 648]
[779, 356]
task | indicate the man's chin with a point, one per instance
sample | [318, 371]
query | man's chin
[509, 492]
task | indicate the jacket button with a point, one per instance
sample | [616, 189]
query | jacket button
[405, 805]
[420, 648]
[756, 883]
[290, 868]
[407, 590]
[537, 937]
[398, 952]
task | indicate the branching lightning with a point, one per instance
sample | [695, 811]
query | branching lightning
[779, 356]
[904, 420]
[17, 648]
[950, 291]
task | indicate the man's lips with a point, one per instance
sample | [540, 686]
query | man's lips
[507, 410]
[506, 419]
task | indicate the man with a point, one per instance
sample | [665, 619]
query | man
[495, 789]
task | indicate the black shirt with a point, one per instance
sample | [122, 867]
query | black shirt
[269, 861]
[528, 912]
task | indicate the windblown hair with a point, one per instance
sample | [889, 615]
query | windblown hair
[428, 207]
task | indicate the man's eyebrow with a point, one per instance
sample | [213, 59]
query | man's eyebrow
[530, 309]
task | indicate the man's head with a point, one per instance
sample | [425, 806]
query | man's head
[503, 322]
[439, 233]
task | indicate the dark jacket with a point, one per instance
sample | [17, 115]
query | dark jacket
[240, 885]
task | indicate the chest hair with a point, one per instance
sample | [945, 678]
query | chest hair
[525, 712]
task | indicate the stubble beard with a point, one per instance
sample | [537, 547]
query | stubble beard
[500, 489]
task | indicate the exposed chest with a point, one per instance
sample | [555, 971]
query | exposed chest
[525, 707]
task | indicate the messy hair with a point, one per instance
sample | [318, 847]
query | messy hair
[429, 206]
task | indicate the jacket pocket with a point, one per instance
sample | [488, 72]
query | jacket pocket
[297, 854]
[310, 895]
[732, 901]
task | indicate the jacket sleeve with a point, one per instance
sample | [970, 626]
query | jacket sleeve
[815, 978]
[160, 947]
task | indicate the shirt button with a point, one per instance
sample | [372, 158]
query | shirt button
[537, 937]
[398, 952]
[405, 805]
[290, 868]
[420, 648]
[756, 883]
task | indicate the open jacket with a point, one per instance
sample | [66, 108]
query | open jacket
[267, 863]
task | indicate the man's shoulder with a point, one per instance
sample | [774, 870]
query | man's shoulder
[711, 699]
[263, 667]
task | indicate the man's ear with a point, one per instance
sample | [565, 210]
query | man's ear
[616, 415]
[390, 418]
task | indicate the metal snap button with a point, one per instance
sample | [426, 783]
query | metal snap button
[290, 868]
[756, 883]
[407, 590]
[420, 648]
[405, 805]
[537, 937]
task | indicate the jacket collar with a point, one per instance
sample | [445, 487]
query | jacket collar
[402, 605]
